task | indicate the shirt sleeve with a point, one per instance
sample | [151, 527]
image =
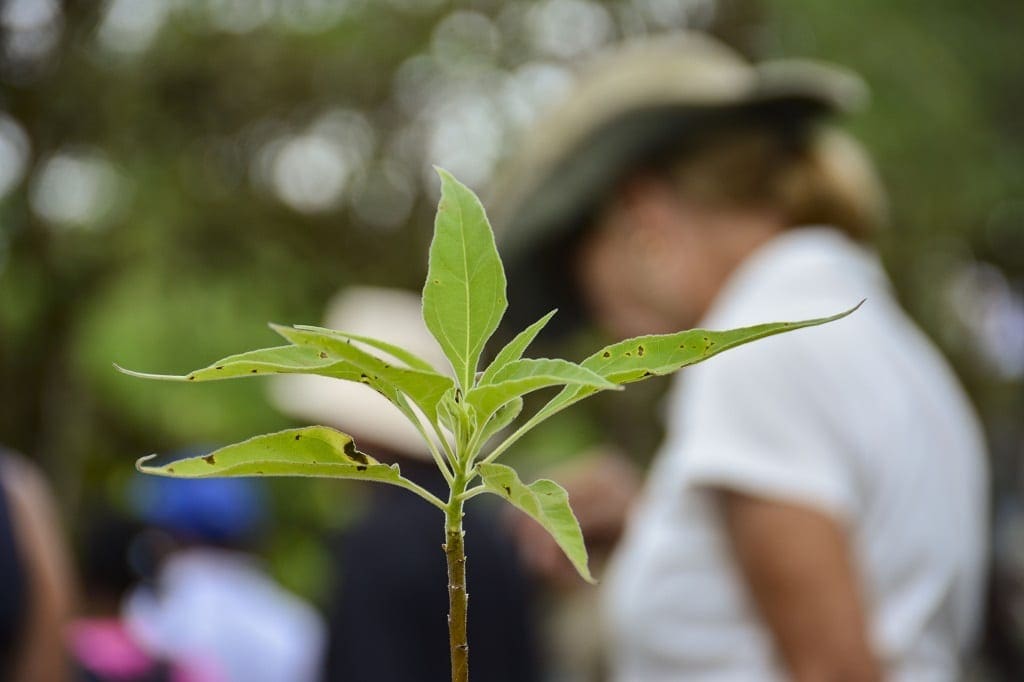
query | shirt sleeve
[760, 420]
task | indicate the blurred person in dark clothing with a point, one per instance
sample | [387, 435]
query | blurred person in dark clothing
[35, 577]
[388, 616]
[818, 508]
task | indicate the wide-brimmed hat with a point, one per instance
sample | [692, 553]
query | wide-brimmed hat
[389, 315]
[636, 97]
[634, 101]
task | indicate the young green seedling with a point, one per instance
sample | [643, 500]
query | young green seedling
[463, 303]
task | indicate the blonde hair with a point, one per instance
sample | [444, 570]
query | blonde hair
[817, 177]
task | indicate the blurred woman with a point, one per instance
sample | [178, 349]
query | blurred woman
[817, 511]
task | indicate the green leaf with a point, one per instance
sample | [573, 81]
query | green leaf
[278, 360]
[646, 356]
[458, 417]
[309, 451]
[464, 296]
[547, 503]
[400, 354]
[448, 414]
[504, 416]
[523, 376]
[515, 348]
[423, 388]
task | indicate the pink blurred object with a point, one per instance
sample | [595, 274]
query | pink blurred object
[104, 646]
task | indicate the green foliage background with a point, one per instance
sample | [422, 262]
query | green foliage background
[195, 249]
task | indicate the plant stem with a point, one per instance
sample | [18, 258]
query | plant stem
[458, 599]
[422, 492]
[473, 492]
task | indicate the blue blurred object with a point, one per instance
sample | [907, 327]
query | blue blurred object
[212, 510]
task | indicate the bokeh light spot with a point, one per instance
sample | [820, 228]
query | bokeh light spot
[14, 153]
[75, 189]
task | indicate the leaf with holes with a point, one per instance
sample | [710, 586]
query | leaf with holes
[310, 451]
[656, 355]
[547, 503]
[636, 359]
[464, 295]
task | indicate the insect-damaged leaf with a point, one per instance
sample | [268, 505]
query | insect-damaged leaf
[523, 376]
[464, 295]
[639, 358]
[278, 360]
[310, 451]
[646, 356]
[547, 503]
[423, 388]
[515, 348]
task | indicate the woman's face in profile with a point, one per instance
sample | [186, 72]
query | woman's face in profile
[642, 265]
[654, 261]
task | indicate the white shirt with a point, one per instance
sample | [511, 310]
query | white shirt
[219, 608]
[860, 419]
